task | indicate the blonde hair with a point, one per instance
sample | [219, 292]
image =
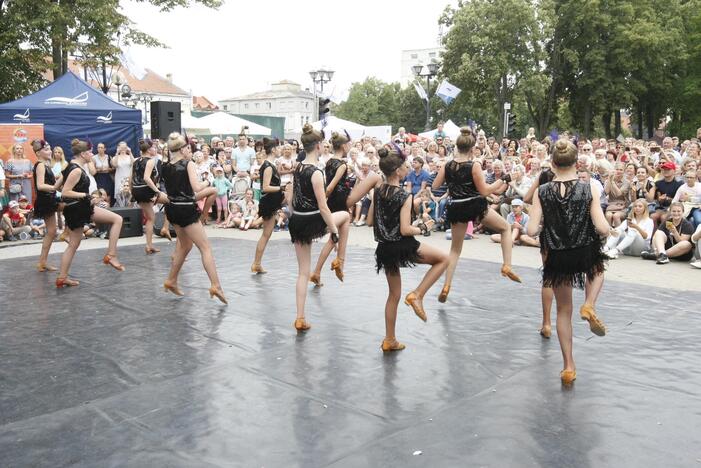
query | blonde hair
[646, 210]
[176, 142]
[564, 154]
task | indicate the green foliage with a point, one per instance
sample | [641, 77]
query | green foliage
[40, 34]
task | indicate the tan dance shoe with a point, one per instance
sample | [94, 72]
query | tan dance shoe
[42, 267]
[588, 313]
[414, 301]
[302, 325]
[546, 331]
[257, 268]
[63, 282]
[507, 272]
[218, 293]
[392, 345]
[110, 260]
[170, 287]
[316, 279]
[337, 267]
[568, 376]
[443, 296]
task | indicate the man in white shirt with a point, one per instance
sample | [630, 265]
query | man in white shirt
[243, 156]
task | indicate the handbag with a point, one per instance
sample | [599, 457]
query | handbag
[15, 188]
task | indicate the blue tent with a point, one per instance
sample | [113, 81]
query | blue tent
[70, 108]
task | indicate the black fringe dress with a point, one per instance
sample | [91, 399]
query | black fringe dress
[306, 223]
[272, 201]
[78, 212]
[45, 203]
[573, 249]
[339, 195]
[465, 203]
[139, 190]
[393, 250]
[182, 209]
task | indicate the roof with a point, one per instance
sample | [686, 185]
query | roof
[151, 82]
[202, 103]
[286, 92]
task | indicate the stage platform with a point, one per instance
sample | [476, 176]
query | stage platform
[118, 373]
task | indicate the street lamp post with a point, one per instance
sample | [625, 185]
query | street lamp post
[432, 71]
[320, 76]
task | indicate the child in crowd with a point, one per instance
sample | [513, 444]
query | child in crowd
[123, 197]
[234, 218]
[250, 213]
[518, 220]
[282, 218]
[223, 185]
[427, 207]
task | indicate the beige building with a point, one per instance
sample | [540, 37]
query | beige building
[285, 99]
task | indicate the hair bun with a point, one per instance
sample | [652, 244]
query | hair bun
[382, 152]
[75, 141]
[465, 131]
[307, 129]
[561, 145]
[335, 135]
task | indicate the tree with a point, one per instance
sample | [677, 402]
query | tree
[32, 30]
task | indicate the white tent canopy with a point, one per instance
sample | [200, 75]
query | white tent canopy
[450, 129]
[334, 124]
[223, 123]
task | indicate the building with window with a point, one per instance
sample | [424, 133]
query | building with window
[284, 99]
[417, 57]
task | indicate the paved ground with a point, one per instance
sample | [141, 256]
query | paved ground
[675, 275]
[117, 373]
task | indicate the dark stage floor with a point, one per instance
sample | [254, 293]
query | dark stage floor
[117, 373]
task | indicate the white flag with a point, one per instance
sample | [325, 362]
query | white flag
[447, 92]
[422, 92]
[130, 64]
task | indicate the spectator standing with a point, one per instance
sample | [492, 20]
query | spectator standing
[223, 185]
[19, 172]
[122, 164]
[242, 156]
[58, 161]
[285, 165]
[103, 170]
[3, 192]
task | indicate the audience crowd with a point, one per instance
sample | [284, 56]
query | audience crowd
[650, 191]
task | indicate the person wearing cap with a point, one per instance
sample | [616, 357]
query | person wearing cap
[14, 223]
[664, 191]
[518, 220]
[223, 185]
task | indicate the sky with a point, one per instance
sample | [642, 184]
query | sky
[244, 46]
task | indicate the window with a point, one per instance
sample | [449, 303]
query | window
[257, 105]
[245, 106]
[269, 104]
[431, 54]
[414, 56]
[226, 107]
[301, 121]
[306, 105]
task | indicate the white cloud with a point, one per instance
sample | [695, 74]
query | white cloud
[244, 46]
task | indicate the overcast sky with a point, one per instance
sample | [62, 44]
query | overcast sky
[246, 45]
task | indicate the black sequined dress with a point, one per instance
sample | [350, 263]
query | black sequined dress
[465, 203]
[139, 190]
[393, 250]
[78, 212]
[182, 209]
[45, 203]
[572, 247]
[339, 195]
[306, 223]
[272, 201]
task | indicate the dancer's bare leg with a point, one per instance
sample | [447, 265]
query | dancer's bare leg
[457, 231]
[49, 237]
[268, 226]
[563, 297]
[304, 254]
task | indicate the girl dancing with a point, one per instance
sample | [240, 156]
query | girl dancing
[45, 202]
[337, 192]
[572, 248]
[390, 214]
[144, 188]
[311, 217]
[184, 190]
[271, 199]
[79, 211]
[468, 189]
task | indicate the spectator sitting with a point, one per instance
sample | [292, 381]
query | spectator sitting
[233, 220]
[634, 234]
[427, 207]
[664, 191]
[689, 195]
[282, 219]
[250, 213]
[417, 179]
[617, 190]
[696, 239]
[518, 220]
[123, 197]
[518, 187]
[672, 239]
[14, 223]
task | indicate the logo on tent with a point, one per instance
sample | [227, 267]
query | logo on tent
[105, 119]
[79, 100]
[22, 117]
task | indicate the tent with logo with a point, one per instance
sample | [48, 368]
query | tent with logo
[70, 108]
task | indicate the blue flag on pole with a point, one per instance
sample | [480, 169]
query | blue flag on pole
[447, 92]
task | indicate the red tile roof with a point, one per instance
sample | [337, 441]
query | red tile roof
[202, 103]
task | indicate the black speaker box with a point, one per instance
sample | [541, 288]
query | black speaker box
[158, 224]
[165, 119]
[131, 222]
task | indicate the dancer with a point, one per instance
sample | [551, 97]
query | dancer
[144, 188]
[546, 293]
[270, 201]
[572, 248]
[79, 211]
[184, 189]
[337, 192]
[311, 217]
[390, 214]
[468, 189]
[45, 202]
